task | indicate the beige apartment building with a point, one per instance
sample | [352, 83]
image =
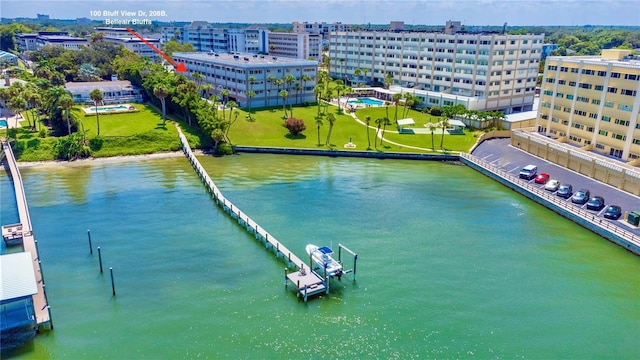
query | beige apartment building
[592, 102]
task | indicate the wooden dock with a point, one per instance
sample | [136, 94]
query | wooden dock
[29, 243]
[307, 281]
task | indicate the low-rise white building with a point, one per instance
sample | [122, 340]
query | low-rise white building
[113, 92]
[295, 45]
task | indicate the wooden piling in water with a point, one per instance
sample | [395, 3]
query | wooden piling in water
[100, 259]
[90, 246]
[113, 286]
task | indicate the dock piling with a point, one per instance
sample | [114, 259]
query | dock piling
[100, 258]
[113, 286]
[90, 246]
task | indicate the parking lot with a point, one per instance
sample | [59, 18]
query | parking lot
[499, 153]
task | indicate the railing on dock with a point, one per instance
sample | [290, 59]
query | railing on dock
[29, 243]
[307, 281]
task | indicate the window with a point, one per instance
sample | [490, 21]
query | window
[625, 107]
[582, 99]
[593, 115]
[615, 75]
[584, 86]
[602, 73]
[588, 72]
[622, 122]
[569, 97]
[572, 83]
[618, 136]
[574, 70]
[603, 132]
[552, 67]
[628, 92]
[599, 87]
[562, 82]
[606, 118]
[580, 112]
[595, 101]
[631, 77]
[560, 95]
[612, 90]
[578, 126]
[564, 69]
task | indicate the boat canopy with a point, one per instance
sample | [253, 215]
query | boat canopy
[325, 250]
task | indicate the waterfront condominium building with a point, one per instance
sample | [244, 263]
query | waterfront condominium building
[130, 42]
[61, 39]
[205, 37]
[592, 102]
[295, 45]
[321, 28]
[234, 72]
[489, 71]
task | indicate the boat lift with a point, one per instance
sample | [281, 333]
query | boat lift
[309, 282]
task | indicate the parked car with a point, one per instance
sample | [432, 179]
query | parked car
[565, 191]
[613, 212]
[542, 178]
[552, 185]
[581, 196]
[595, 203]
[528, 172]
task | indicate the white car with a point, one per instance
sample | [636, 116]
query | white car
[552, 185]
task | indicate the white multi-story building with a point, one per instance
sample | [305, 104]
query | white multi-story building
[495, 71]
[234, 72]
[592, 102]
[129, 41]
[27, 42]
[321, 28]
[205, 37]
[295, 45]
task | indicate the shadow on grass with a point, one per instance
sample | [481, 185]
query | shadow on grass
[296, 137]
[161, 126]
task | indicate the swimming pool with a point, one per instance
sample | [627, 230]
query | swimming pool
[108, 108]
[3, 123]
[365, 101]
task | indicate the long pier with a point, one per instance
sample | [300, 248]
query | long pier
[29, 243]
[307, 281]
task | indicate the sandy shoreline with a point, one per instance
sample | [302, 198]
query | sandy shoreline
[105, 160]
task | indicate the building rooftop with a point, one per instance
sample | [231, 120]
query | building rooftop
[102, 85]
[243, 59]
[17, 278]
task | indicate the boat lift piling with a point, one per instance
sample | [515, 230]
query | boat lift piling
[355, 259]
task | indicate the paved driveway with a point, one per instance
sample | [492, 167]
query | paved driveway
[499, 153]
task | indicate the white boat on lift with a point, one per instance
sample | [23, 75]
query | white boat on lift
[321, 256]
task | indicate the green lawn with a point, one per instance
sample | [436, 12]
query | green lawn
[265, 128]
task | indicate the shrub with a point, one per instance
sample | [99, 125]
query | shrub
[224, 149]
[295, 126]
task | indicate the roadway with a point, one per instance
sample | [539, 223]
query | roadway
[499, 153]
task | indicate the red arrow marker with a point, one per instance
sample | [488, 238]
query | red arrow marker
[178, 67]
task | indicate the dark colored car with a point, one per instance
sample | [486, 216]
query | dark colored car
[613, 212]
[565, 191]
[595, 203]
[581, 196]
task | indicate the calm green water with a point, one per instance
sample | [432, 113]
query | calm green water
[451, 265]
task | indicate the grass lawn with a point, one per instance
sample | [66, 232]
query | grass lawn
[265, 128]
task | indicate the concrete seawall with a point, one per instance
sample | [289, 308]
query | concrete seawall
[587, 219]
[343, 153]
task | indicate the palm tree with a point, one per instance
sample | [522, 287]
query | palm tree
[385, 122]
[66, 102]
[318, 90]
[396, 100]
[96, 96]
[198, 78]
[388, 80]
[161, 92]
[304, 78]
[250, 92]
[225, 97]
[205, 88]
[356, 73]
[365, 71]
[319, 122]
[289, 80]
[367, 121]
[331, 119]
[444, 124]
[432, 128]
[278, 83]
[284, 94]
[379, 122]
